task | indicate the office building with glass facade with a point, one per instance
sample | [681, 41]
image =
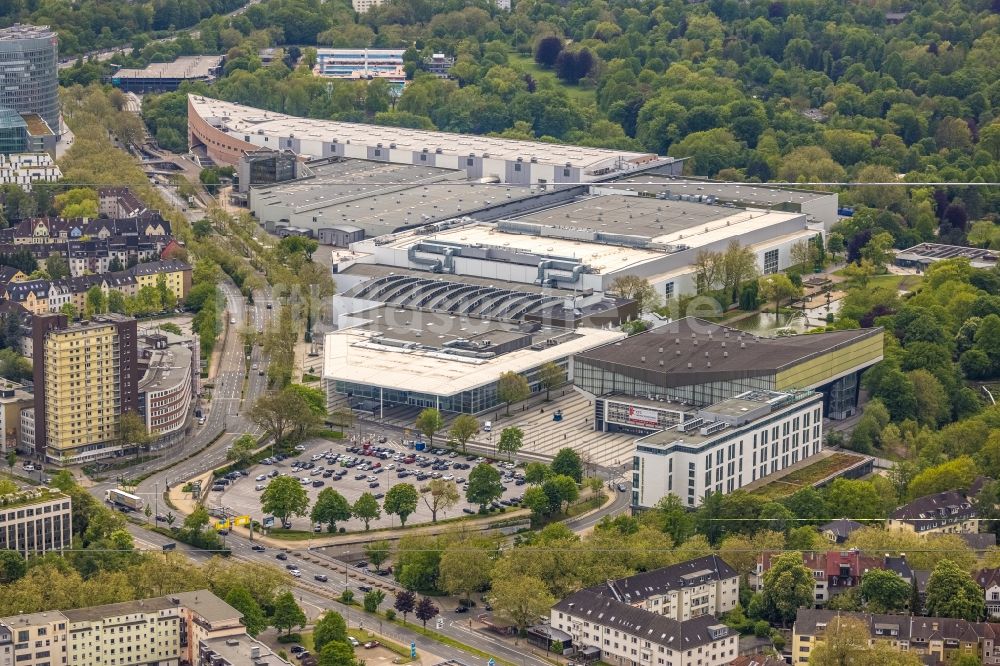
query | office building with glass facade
[655, 379]
[389, 356]
[29, 74]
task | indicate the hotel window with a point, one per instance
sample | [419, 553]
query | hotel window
[668, 290]
[770, 262]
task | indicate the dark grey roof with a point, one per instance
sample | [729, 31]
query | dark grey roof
[841, 528]
[915, 629]
[653, 627]
[660, 581]
[900, 566]
[927, 511]
[154, 267]
[987, 578]
[979, 541]
[732, 353]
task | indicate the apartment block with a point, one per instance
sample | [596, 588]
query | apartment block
[86, 375]
[703, 586]
[36, 521]
[36, 639]
[935, 640]
[620, 634]
[835, 572]
[148, 631]
[949, 512]
[13, 398]
[165, 631]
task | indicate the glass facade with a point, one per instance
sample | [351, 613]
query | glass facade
[474, 401]
[598, 381]
[29, 76]
[13, 132]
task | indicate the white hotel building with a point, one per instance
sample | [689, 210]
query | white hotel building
[727, 445]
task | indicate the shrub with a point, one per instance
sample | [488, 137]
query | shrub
[290, 638]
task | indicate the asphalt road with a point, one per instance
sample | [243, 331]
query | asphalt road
[315, 596]
[101, 55]
[225, 413]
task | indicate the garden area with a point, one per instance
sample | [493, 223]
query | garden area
[807, 476]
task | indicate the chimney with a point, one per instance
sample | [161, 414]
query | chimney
[255, 652]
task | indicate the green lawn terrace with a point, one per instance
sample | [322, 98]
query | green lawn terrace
[814, 473]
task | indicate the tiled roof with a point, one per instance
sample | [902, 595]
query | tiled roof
[653, 627]
[660, 581]
[948, 506]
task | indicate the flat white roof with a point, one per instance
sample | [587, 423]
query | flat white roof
[239, 120]
[350, 357]
[185, 67]
[602, 257]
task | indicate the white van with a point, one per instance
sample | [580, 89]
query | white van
[487, 426]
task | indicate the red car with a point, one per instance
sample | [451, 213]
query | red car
[372, 644]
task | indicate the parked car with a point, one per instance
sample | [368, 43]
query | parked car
[372, 644]
[361, 565]
[353, 641]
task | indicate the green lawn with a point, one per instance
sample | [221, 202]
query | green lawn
[904, 282]
[807, 476]
[528, 64]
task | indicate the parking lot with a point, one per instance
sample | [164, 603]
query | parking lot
[325, 464]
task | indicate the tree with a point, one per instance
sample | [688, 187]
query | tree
[636, 289]
[463, 428]
[56, 266]
[835, 244]
[242, 450]
[484, 486]
[428, 422]
[536, 472]
[521, 599]
[884, 591]
[337, 653]
[401, 500]
[567, 462]
[254, 618]
[440, 495]
[847, 640]
[951, 592]
[330, 508]
[287, 614]
[95, 301]
[366, 509]
[11, 459]
[878, 250]
[777, 287]
[284, 497]
[406, 602]
[511, 388]
[12, 566]
[289, 413]
[426, 610]
[547, 51]
[551, 375]
[465, 567]
[132, 431]
[377, 552]
[372, 600]
[561, 490]
[788, 586]
[511, 441]
[330, 628]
